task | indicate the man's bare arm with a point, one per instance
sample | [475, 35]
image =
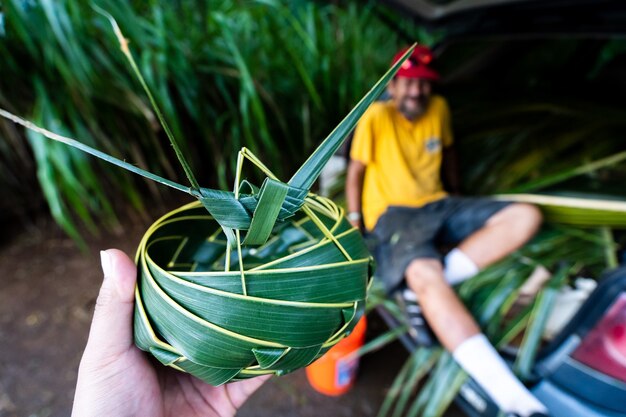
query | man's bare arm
[450, 170]
[354, 190]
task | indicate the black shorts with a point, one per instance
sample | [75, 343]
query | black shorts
[403, 234]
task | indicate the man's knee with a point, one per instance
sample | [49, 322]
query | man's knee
[522, 219]
[422, 274]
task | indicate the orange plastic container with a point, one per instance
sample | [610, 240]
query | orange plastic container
[335, 372]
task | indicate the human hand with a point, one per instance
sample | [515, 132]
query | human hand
[115, 378]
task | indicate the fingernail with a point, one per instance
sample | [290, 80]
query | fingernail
[105, 260]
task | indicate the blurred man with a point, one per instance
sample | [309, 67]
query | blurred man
[395, 191]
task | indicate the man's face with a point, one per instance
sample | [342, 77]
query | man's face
[410, 95]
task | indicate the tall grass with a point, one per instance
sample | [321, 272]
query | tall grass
[274, 76]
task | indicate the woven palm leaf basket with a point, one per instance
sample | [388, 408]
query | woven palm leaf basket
[256, 281]
[260, 280]
[225, 313]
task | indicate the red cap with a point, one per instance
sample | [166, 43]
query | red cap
[417, 65]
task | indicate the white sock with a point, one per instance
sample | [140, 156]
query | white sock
[458, 267]
[483, 363]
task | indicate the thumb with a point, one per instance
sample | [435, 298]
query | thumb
[111, 331]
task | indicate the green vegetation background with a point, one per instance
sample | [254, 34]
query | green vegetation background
[276, 76]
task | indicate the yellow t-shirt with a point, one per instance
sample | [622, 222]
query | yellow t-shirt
[402, 157]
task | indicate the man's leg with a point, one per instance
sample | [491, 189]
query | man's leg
[503, 233]
[446, 315]
[455, 328]
[458, 333]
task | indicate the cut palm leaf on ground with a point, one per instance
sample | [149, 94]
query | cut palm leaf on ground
[591, 211]
[491, 297]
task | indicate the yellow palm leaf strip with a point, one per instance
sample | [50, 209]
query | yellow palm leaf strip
[573, 202]
[177, 252]
[241, 272]
[257, 162]
[238, 173]
[257, 372]
[325, 230]
[214, 235]
[329, 204]
[144, 318]
[315, 201]
[237, 234]
[160, 221]
[227, 257]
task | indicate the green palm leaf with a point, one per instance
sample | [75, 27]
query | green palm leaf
[580, 210]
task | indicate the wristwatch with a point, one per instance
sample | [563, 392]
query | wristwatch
[354, 216]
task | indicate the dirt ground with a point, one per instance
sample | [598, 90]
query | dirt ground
[48, 290]
[47, 295]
